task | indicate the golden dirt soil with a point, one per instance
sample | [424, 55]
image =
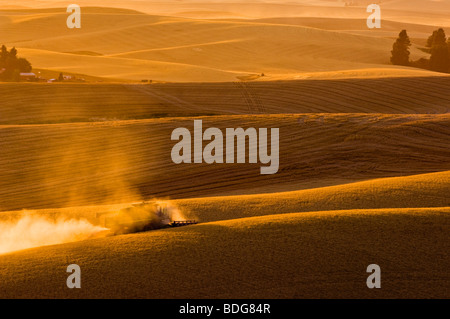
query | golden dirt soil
[259, 257]
[113, 161]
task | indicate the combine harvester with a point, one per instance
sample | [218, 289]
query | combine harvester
[142, 217]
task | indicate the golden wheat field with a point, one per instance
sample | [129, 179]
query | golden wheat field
[364, 150]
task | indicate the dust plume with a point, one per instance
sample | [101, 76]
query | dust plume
[147, 215]
[30, 230]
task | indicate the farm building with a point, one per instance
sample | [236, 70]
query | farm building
[27, 76]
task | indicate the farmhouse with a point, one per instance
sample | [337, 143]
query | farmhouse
[27, 76]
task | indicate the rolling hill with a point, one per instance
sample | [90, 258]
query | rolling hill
[259, 257]
[72, 164]
[131, 45]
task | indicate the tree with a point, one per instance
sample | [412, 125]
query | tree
[12, 65]
[431, 39]
[439, 37]
[23, 65]
[400, 50]
[13, 53]
[15, 75]
[440, 57]
[61, 77]
[448, 50]
[3, 56]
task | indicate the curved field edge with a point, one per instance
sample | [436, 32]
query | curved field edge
[300, 255]
[424, 190]
[418, 191]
